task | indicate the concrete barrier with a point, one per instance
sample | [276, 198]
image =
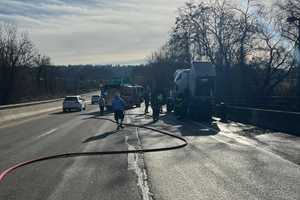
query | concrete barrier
[19, 111]
[282, 121]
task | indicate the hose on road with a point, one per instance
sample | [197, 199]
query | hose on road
[77, 154]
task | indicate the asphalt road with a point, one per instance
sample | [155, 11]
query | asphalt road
[217, 163]
[221, 165]
[98, 177]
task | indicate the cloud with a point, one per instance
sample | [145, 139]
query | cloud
[93, 31]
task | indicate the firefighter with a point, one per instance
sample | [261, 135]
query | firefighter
[155, 107]
[180, 106]
[160, 100]
[170, 104]
[118, 106]
[177, 106]
[147, 101]
[101, 104]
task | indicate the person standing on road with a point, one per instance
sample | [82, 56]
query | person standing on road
[155, 107]
[118, 107]
[101, 104]
[147, 101]
[160, 100]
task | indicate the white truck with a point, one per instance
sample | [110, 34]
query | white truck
[196, 87]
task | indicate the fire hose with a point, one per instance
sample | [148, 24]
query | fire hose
[95, 153]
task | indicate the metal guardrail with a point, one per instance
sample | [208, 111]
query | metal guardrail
[28, 104]
[261, 109]
[277, 120]
[281, 103]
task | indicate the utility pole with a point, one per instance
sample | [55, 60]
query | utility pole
[292, 20]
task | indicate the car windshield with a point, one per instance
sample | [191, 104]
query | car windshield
[149, 99]
[71, 99]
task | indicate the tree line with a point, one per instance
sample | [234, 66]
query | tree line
[251, 44]
[27, 75]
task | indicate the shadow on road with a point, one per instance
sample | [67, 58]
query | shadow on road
[62, 113]
[189, 128]
[97, 113]
[99, 137]
[170, 123]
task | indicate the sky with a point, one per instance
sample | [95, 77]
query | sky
[93, 31]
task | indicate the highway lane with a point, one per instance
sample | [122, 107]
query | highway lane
[99, 177]
[216, 166]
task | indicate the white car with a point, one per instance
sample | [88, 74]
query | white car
[74, 103]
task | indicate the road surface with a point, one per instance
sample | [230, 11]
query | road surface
[98, 177]
[217, 163]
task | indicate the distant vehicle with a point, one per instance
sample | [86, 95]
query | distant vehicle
[196, 86]
[74, 103]
[109, 91]
[132, 94]
[95, 99]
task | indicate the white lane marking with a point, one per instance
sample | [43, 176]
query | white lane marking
[47, 133]
[128, 120]
[133, 164]
[131, 156]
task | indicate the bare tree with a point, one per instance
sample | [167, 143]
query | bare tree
[42, 62]
[273, 55]
[290, 29]
[246, 42]
[288, 8]
[15, 50]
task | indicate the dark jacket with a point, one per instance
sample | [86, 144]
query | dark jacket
[118, 104]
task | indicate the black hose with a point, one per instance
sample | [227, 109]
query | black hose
[77, 154]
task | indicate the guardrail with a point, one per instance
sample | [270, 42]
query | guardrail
[282, 121]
